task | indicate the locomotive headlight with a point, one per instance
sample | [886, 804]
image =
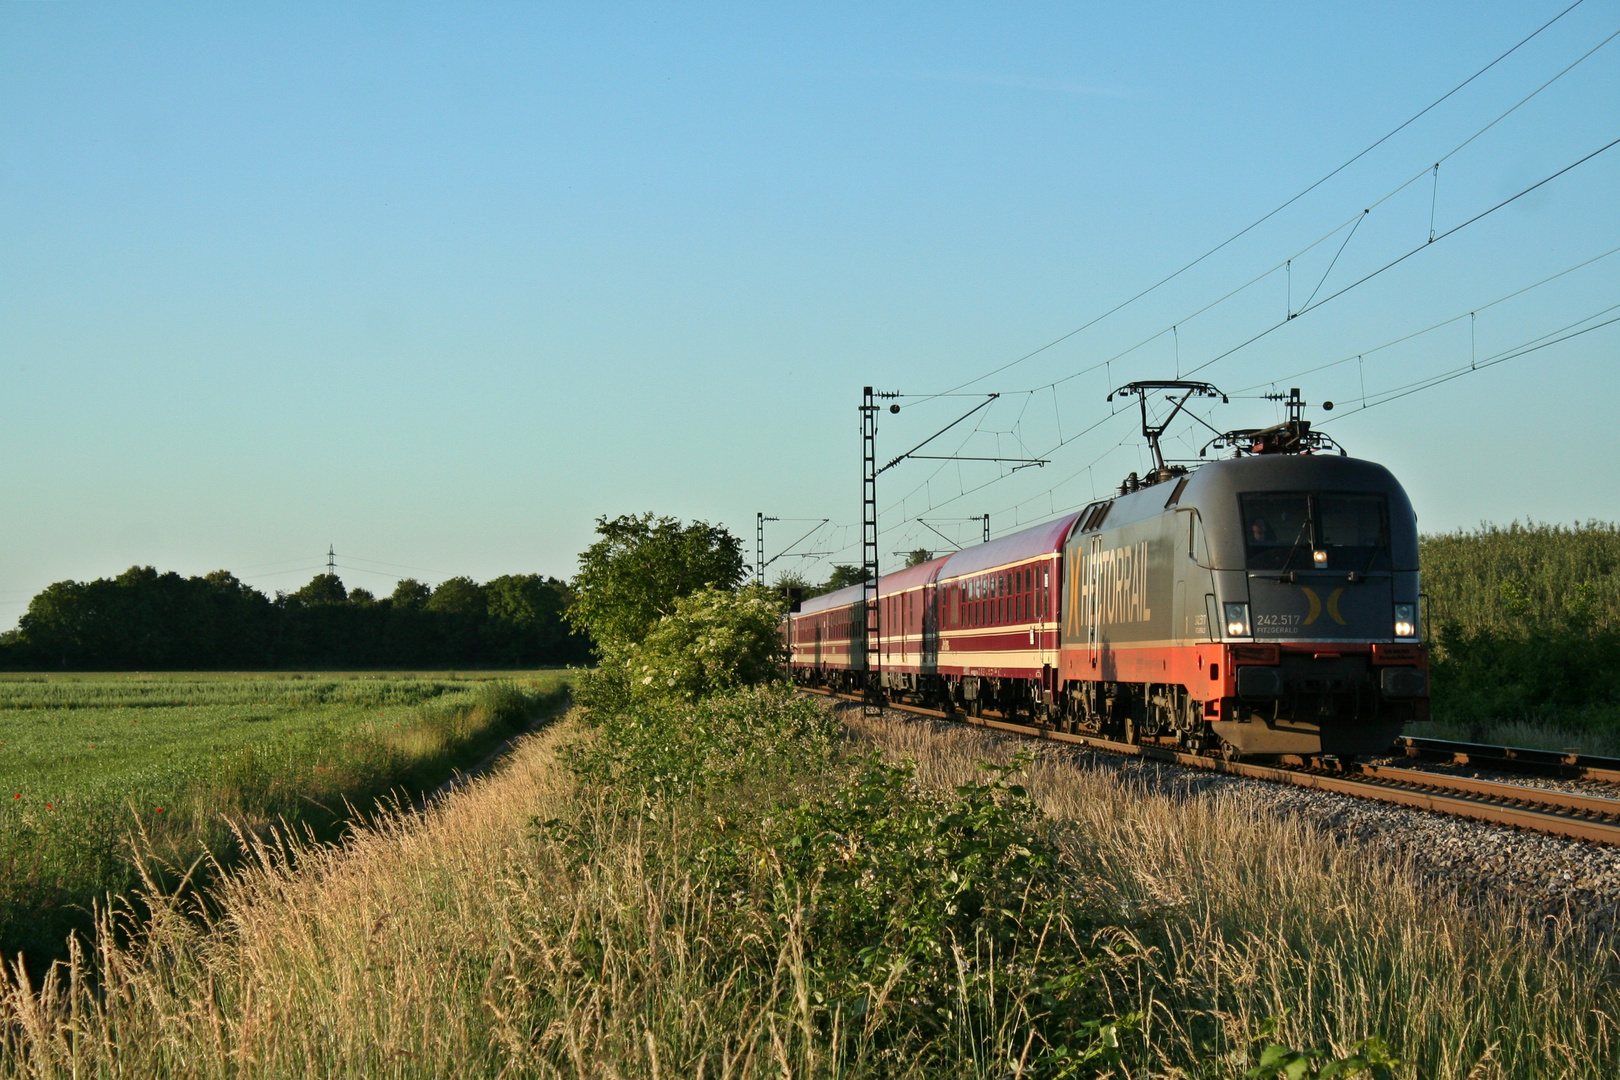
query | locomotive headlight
[1237, 620]
[1405, 620]
[1319, 557]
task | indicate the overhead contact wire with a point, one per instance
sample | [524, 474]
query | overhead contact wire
[1402, 258]
[1280, 208]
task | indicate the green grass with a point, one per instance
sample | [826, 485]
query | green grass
[88, 762]
[1523, 579]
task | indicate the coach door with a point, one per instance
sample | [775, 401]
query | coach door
[930, 628]
[1046, 611]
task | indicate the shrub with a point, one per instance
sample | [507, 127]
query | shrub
[926, 925]
[673, 747]
[929, 915]
[714, 641]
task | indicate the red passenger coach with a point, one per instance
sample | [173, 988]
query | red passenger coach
[999, 614]
[951, 628]
[827, 639]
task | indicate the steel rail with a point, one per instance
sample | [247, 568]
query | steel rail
[1567, 765]
[1558, 813]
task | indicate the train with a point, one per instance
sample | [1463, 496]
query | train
[1259, 605]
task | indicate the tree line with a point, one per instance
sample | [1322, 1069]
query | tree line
[144, 620]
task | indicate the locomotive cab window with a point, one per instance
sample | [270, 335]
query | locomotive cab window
[1337, 532]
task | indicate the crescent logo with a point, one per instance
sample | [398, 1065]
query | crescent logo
[1333, 606]
[1316, 605]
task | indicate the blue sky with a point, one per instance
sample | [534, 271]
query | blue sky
[438, 285]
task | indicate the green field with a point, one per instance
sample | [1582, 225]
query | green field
[94, 768]
[1526, 626]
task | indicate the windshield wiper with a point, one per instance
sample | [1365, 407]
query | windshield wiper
[1287, 574]
[1361, 575]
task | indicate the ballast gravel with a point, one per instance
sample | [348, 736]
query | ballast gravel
[1545, 875]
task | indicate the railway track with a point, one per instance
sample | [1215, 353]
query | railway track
[1559, 813]
[1564, 766]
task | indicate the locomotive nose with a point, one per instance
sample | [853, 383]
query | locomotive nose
[1321, 607]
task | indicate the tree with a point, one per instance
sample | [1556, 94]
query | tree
[410, 594]
[918, 557]
[322, 589]
[795, 579]
[525, 620]
[843, 577]
[458, 596]
[641, 566]
[53, 626]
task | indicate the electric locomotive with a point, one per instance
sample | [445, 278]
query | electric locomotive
[1263, 604]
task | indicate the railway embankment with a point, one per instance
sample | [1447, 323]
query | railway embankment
[1537, 875]
[1262, 895]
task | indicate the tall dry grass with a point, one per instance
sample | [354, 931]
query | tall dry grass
[390, 955]
[473, 940]
[1254, 923]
